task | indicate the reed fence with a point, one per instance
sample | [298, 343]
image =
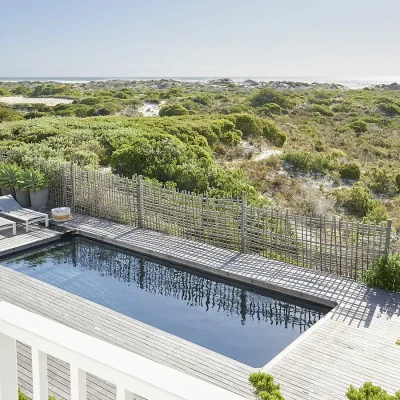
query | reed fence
[333, 245]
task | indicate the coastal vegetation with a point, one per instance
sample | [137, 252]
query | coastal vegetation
[314, 148]
[384, 273]
[368, 391]
[264, 386]
[265, 389]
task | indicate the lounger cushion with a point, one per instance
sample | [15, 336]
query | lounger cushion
[8, 204]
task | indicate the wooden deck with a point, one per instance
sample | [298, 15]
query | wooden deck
[355, 343]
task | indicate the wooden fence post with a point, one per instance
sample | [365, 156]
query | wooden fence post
[140, 209]
[388, 230]
[243, 230]
[72, 186]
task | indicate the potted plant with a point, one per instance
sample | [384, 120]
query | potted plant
[22, 193]
[36, 182]
[10, 175]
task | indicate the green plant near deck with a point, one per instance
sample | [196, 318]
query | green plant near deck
[264, 386]
[384, 273]
[32, 179]
[22, 396]
[370, 392]
[9, 176]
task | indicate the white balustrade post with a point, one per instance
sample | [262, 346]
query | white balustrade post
[39, 375]
[78, 383]
[122, 394]
[8, 368]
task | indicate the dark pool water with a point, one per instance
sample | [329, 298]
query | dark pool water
[233, 320]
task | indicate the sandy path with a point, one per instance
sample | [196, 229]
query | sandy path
[48, 101]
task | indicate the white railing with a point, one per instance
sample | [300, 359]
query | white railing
[131, 373]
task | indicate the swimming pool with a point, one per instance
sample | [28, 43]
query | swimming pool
[240, 322]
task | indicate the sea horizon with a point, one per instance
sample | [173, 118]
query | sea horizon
[354, 82]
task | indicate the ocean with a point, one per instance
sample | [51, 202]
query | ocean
[350, 82]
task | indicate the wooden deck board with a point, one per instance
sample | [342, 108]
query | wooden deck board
[355, 344]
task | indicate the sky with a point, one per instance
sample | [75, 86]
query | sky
[199, 38]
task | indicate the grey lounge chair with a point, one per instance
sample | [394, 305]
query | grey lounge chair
[7, 224]
[9, 208]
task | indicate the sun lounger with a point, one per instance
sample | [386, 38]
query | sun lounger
[9, 208]
[7, 224]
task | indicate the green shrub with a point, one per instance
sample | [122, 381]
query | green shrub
[273, 134]
[382, 181]
[377, 212]
[4, 92]
[323, 110]
[264, 386]
[343, 107]
[174, 92]
[388, 107]
[50, 89]
[8, 114]
[335, 154]
[267, 96]
[167, 159]
[350, 171]
[22, 90]
[202, 99]
[173, 110]
[270, 109]
[370, 392]
[250, 125]
[358, 126]
[397, 181]
[319, 146]
[34, 114]
[237, 109]
[359, 200]
[308, 162]
[384, 273]
[190, 105]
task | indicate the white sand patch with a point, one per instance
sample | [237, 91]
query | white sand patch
[150, 109]
[259, 153]
[267, 153]
[48, 101]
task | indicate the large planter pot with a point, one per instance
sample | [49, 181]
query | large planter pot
[23, 197]
[39, 198]
[6, 192]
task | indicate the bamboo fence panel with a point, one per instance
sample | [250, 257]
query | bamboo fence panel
[337, 246]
